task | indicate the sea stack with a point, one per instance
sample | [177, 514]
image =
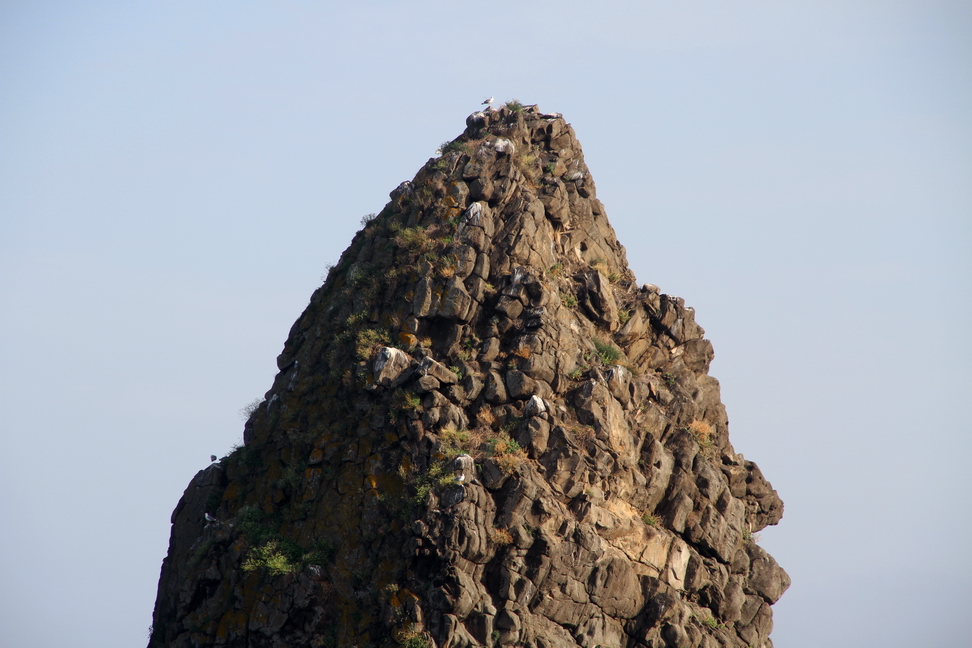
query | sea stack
[483, 432]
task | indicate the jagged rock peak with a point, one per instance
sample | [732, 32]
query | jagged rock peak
[483, 433]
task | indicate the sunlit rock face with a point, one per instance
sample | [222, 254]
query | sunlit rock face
[482, 433]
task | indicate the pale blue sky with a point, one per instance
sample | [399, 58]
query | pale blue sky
[175, 177]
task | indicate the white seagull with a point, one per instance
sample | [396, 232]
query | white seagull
[209, 518]
[488, 102]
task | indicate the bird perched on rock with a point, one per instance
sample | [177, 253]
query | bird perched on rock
[212, 457]
[488, 102]
[209, 518]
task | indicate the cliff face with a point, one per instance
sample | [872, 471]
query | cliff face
[482, 433]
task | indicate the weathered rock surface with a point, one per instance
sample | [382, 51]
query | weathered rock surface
[483, 433]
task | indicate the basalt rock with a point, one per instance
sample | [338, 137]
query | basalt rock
[483, 433]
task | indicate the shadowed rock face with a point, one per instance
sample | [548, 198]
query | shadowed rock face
[482, 433]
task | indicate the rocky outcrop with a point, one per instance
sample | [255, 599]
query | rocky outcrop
[483, 433]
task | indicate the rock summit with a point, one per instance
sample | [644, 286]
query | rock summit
[483, 432]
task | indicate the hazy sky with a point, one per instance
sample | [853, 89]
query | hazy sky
[175, 177]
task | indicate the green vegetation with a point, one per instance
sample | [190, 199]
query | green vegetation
[607, 352]
[710, 622]
[651, 519]
[270, 558]
[576, 374]
[514, 105]
[435, 479]
[201, 552]
[292, 477]
[509, 426]
[569, 300]
[506, 452]
[272, 552]
[456, 442]
[403, 402]
[368, 339]
[449, 147]
[413, 239]
[669, 379]
[411, 638]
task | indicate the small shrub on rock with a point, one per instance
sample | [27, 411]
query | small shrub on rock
[269, 557]
[456, 442]
[607, 352]
[500, 536]
[410, 638]
[702, 432]
[368, 339]
[449, 147]
[507, 453]
[413, 239]
[711, 622]
[247, 411]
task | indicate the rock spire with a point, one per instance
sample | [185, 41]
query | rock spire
[482, 433]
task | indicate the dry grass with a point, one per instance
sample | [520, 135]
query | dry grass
[507, 454]
[600, 265]
[368, 340]
[522, 352]
[585, 435]
[456, 442]
[485, 417]
[413, 238]
[702, 432]
[500, 536]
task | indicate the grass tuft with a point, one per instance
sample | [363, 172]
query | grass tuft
[702, 432]
[607, 352]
